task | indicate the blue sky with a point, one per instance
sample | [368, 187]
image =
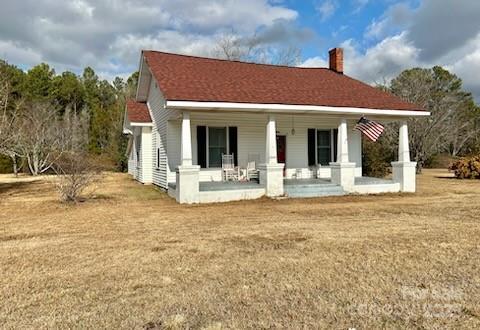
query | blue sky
[380, 37]
[335, 22]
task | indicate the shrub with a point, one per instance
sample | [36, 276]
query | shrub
[376, 158]
[466, 167]
[76, 172]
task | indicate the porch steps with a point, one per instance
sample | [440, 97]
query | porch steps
[312, 190]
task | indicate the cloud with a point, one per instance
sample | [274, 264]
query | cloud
[468, 67]
[109, 34]
[383, 61]
[359, 5]
[315, 62]
[436, 27]
[437, 32]
[389, 57]
[326, 9]
[377, 64]
[281, 31]
[442, 25]
[395, 17]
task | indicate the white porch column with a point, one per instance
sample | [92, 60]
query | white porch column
[404, 170]
[186, 147]
[146, 154]
[403, 147]
[271, 141]
[187, 185]
[271, 173]
[343, 171]
[342, 142]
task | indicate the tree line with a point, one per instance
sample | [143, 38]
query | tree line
[44, 114]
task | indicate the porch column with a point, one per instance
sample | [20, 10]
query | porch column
[271, 141]
[343, 171]
[187, 188]
[404, 170]
[186, 147]
[271, 173]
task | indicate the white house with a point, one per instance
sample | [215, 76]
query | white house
[295, 125]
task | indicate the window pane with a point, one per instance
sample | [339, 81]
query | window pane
[324, 156]
[323, 147]
[323, 139]
[217, 145]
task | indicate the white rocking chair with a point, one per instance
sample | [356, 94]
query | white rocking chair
[229, 171]
[252, 172]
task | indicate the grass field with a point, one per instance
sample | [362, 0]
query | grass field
[133, 258]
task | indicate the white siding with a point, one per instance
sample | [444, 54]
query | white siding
[137, 145]
[144, 82]
[251, 140]
[160, 117]
[174, 133]
[131, 162]
[146, 151]
[355, 149]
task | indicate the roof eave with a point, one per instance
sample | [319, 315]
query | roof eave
[287, 108]
[141, 124]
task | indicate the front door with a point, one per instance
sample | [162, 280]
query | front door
[281, 148]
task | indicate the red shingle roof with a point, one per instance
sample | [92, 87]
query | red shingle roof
[189, 78]
[137, 112]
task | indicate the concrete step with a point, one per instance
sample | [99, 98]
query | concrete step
[311, 190]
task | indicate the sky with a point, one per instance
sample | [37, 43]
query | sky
[380, 38]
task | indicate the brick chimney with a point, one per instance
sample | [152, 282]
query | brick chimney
[336, 59]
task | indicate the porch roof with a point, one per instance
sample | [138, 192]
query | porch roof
[196, 79]
[137, 112]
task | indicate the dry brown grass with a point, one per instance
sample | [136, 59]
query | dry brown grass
[133, 258]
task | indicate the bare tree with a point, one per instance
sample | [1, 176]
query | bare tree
[230, 47]
[233, 47]
[464, 128]
[75, 173]
[8, 118]
[40, 136]
[74, 168]
[440, 92]
[43, 136]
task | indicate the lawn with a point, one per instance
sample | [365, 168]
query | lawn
[133, 258]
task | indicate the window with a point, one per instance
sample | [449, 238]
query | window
[212, 142]
[322, 146]
[217, 145]
[158, 158]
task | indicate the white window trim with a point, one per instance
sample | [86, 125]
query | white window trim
[139, 158]
[332, 145]
[207, 144]
[157, 159]
[157, 152]
[138, 151]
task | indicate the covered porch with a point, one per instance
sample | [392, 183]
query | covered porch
[279, 174]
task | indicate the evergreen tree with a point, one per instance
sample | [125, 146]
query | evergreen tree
[68, 91]
[38, 83]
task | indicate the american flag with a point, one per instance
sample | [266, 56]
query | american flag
[371, 129]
